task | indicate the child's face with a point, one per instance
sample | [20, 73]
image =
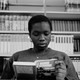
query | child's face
[41, 35]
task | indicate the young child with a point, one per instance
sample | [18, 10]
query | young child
[40, 28]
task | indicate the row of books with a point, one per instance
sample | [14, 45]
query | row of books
[62, 43]
[11, 43]
[25, 37]
[14, 22]
[20, 23]
[76, 63]
[72, 5]
[4, 4]
[66, 25]
[62, 39]
[14, 37]
[77, 45]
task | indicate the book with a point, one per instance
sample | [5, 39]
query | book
[72, 5]
[32, 70]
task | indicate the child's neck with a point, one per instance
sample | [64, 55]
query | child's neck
[39, 50]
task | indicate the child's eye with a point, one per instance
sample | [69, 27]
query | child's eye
[36, 33]
[46, 33]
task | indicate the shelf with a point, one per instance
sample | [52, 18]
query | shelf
[14, 32]
[50, 14]
[53, 32]
[5, 55]
[9, 55]
[66, 32]
[74, 55]
[63, 15]
[20, 12]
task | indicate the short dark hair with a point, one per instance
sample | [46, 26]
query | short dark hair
[36, 19]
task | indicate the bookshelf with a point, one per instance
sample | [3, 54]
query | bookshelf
[14, 23]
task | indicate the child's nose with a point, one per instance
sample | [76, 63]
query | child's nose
[42, 37]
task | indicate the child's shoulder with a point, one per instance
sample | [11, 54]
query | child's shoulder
[22, 52]
[56, 52]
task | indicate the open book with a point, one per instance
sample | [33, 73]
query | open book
[33, 69]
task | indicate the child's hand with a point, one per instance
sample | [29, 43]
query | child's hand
[60, 70]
